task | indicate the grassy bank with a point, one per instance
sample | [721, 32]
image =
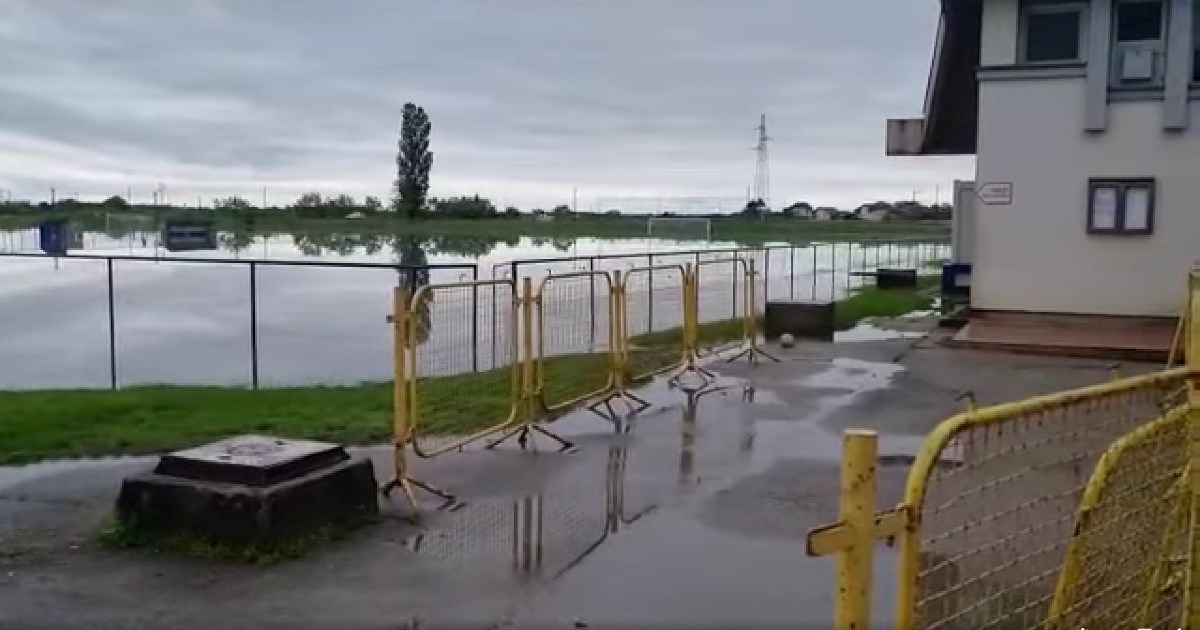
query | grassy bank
[69, 423]
[869, 301]
[737, 229]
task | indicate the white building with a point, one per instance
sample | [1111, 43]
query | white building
[1085, 120]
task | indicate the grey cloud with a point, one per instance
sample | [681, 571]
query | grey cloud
[528, 97]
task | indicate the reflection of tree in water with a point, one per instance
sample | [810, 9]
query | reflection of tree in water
[235, 241]
[317, 243]
[409, 253]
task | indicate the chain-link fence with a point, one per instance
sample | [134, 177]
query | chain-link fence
[1067, 508]
[997, 502]
[452, 386]
[1125, 562]
[654, 310]
[575, 338]
[720, 301]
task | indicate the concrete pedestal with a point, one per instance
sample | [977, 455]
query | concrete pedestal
[896, 278]
[250, 489]
[801, 318]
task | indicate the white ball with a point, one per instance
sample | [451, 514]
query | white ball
[787, 340]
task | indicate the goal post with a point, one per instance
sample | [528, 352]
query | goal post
[679, 227]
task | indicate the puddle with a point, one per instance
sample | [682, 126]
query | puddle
[14, 475]
[868, 332]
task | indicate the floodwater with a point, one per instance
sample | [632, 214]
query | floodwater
[188, 323]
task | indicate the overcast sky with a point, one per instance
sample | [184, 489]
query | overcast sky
[529, 98]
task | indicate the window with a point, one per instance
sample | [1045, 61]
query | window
[1120, 206]
[1139, 21]
[1196, 41]
[1138, 48]
[1052, 32]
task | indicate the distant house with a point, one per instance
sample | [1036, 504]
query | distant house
[825, 213]
[799, 210]
[872, 212]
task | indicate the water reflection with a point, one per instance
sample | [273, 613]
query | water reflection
[545, 533]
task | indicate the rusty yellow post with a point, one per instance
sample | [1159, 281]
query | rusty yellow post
[400, 419]
[748, 324]
[857, 511]
[528, 385]
[691, 327]
[1192, 357]
[401, 412]
[852, 538]
[616, 327]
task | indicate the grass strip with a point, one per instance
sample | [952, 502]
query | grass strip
[40, 424]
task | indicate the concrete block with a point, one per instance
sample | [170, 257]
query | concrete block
[811, 319]
[282, 492]
[896, 278]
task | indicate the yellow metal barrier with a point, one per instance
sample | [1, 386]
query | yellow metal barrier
[654, 304]
[580, 339]
[751, 324]
[1123, 566]
[575, 331]
[719, 299]
[493, 394]
[990, 503]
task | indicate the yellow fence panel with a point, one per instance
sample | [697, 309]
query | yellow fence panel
[720, 286]
[1123, 567]
[486, 391]
[575, 339]
[654, 309]
[993, 496]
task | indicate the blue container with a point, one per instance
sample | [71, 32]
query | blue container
[53, 235]
[956, 279]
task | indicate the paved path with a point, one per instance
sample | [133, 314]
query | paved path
[690, 520]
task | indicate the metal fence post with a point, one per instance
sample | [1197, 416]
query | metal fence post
[814, 273]
[112, 327]
[253, 325]
[766, 274]
[833, 271]
[1191, 597]
[592, 296]
[475, 319]
[733, 275]
[650, 293]
[792, 272]
[852, 538]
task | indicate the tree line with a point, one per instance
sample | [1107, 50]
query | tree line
[410, 196]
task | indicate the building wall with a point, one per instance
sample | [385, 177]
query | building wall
[998, 38]
[1035, 254]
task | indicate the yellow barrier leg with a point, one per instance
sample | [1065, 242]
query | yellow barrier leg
[528, 407]
[401, 417]
[618, 361]
[750, 327]
[691, 336]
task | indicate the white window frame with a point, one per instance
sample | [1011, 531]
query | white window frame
[1067, 6]
[1158, 46]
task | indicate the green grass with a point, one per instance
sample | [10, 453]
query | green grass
[120, 535]
[868, 301]
[41, 424]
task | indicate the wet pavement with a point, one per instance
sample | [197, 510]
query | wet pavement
[695, 517]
